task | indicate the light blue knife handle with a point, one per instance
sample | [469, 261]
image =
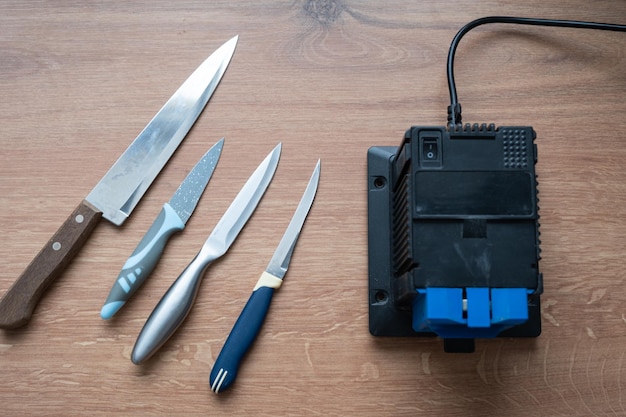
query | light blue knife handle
[240, 339]
[142, 261]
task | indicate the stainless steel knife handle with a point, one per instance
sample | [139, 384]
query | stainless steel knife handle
[173, 308]
[19, 302]
[142, 261]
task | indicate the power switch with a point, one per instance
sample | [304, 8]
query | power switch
[430, 149]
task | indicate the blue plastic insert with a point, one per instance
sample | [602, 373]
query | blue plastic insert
[481, 313]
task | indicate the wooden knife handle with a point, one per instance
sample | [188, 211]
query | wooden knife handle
[19, 302]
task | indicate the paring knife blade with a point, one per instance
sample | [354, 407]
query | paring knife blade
[173, 218]
[176, 304]
[251, 319]
[121, 188]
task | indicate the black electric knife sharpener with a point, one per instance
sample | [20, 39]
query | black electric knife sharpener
[453, 235]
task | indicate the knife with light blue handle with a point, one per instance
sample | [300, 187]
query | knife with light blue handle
[173, 217]
[249, 323]
[176, 304]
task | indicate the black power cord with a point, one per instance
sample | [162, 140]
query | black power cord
[454, 110]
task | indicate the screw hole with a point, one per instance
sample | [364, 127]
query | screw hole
[380, 296]
[380, 182]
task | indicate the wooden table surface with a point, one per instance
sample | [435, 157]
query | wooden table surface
[328, 79]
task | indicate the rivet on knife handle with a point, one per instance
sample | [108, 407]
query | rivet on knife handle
[249, 323]
[20, 300]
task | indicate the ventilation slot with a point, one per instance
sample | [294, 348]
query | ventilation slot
[401, 227]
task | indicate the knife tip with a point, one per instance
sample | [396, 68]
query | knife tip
[109, 309]
[217, 147]
[234, 40]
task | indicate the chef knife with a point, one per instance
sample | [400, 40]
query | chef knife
[251, 319]
[173, 218]
[121, 188]
[176, 304]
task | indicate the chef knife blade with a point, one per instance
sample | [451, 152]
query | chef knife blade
[173, 217]
[176, 304]
[251, 319]
[121, 188]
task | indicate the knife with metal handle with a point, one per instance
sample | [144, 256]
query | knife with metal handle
[249, 323]
[176, 304]
[119, 191]
[173, 218]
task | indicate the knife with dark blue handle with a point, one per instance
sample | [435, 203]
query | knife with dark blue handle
[249, 323]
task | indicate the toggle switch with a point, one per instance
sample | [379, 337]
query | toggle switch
[430, 149]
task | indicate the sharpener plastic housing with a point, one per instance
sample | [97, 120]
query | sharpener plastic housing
[453, 235]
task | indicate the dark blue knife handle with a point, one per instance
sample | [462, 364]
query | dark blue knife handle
[240, 339]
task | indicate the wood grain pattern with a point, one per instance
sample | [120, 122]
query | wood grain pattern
[328, 79]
